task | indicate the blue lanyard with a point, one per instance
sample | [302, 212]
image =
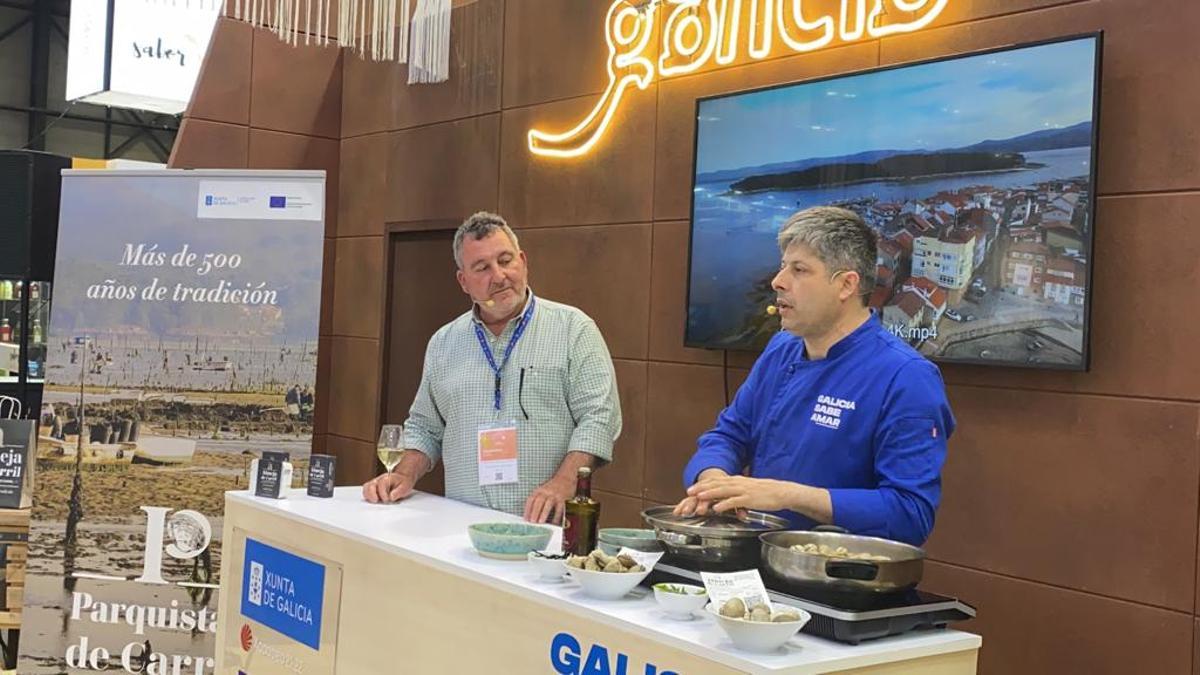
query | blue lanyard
[487, 351]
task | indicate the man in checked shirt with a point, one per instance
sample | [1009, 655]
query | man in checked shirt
[516, 394]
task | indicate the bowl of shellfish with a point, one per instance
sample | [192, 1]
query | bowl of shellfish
[761, 627]
[604, 576]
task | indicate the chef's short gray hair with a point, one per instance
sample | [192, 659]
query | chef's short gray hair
[481, 225]
[840, 240]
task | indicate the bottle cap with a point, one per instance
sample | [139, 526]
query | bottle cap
[585, 471]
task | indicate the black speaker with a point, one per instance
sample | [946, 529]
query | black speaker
[30, 185]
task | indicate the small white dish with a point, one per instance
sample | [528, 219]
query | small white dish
[679, 601]
[548, 569]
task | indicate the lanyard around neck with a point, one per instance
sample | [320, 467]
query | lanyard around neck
[522, 323]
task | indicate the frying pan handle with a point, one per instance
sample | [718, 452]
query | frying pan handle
[859, 570]
[831, 528]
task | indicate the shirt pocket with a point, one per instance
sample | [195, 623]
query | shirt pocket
[542, 392]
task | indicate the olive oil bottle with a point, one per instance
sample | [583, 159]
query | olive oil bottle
[582, 518]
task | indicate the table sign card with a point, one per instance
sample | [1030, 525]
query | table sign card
[746, 585]
[270, 478]
[647, 559]
[321, 471]
[17, 440]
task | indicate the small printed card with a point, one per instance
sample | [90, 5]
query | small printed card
[321, 470]
[269, 481]
[646, 559]
[18, 440]
[747, 585]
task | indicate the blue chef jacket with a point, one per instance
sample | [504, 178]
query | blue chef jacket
[869, 423]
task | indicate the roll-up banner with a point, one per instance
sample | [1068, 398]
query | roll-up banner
[182, 345]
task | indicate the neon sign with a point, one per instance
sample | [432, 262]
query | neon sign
[698, 32]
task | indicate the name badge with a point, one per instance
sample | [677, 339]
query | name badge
[498, 455]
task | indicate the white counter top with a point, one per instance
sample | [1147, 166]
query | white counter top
[433, 531]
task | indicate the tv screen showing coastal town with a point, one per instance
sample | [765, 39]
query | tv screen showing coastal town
[975, 172]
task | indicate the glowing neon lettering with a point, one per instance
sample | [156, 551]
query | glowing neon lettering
[696, 32]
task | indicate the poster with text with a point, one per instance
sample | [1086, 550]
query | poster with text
[182, 345]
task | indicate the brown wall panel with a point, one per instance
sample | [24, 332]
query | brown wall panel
[225, 95]
[624, 474]
[668, 297]
[617, 510]
[476, 35]
[368, 99]
[278, 150]
[328, 257]
[1031, 628]
[611, 184]
[605, 271]
[364, 170]
[962, 11]
[1089, 478]
[1146, 252]
[296, 89]
[354, 388]
[356, 463]
[682, 403]
[357, 293]
[210, 145]
[1149, 57]
[443, 171]
[1196, 649]
[321, 391]
[553, 50]
[677, 111]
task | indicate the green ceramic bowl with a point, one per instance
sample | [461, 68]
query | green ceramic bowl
[508, 541]
[612, 539]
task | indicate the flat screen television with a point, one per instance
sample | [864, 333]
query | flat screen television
[977, 172]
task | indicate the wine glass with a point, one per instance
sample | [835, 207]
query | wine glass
[391, 445]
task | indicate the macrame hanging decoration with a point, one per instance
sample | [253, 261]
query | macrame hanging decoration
[429, 49]
[374, 28]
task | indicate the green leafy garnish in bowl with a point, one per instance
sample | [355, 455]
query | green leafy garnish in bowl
[681, 590]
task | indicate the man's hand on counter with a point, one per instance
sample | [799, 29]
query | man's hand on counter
[390, 487]
[547, 504]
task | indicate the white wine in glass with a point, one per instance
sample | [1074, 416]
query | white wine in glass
[391, 445]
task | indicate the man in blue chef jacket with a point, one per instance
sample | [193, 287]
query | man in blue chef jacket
[840, 422]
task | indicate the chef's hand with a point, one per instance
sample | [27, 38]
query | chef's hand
[388, 488]
[691, 506]
[727, 493]
[694, 506]
[547, 504]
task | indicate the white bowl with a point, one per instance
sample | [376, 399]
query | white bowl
[548, 569]
[757, 636]
[606, 585]
[680, 605]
